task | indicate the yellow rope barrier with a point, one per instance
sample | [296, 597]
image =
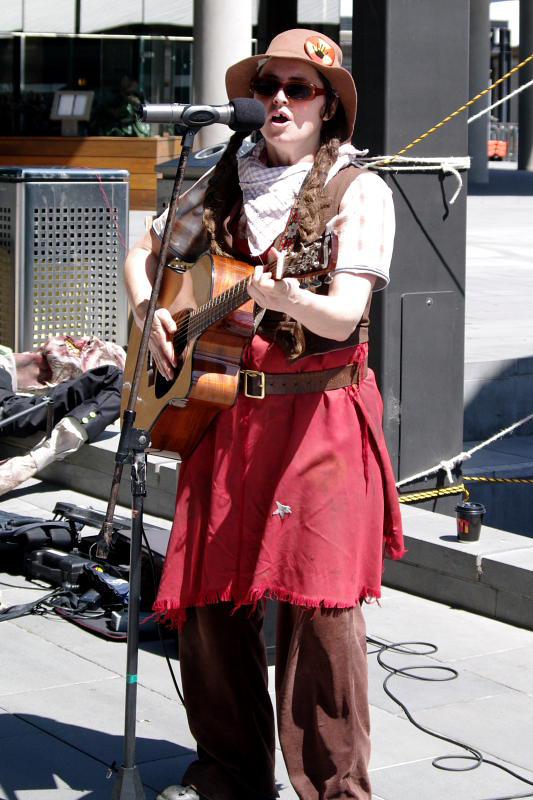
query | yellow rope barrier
[416, 497]
[481, 478]
[459, 110]
[419, 497]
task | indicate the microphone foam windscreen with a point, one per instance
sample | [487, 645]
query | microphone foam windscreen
[249, 114]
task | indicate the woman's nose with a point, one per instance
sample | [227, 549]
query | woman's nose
[280, 96]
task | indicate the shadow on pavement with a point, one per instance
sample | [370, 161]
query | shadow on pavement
[43, 758]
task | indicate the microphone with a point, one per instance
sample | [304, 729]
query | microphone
[242, 114]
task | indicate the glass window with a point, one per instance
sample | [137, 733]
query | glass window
[122, 72]
[8, 105]
[6, 64]
[165, 70]
[118, 94]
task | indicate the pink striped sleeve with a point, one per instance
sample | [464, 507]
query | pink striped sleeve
[365, 226]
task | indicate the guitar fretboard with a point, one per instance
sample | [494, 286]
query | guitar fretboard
[217, 308]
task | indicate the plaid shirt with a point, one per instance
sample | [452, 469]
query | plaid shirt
[365, 226]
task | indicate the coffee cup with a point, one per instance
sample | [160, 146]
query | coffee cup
[469, 519]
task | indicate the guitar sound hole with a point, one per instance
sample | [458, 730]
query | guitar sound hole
[162, 385]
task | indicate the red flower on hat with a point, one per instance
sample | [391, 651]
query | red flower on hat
[319, 50]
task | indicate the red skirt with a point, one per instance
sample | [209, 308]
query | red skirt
[290, 497]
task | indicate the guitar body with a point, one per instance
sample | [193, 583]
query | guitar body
[176, 413]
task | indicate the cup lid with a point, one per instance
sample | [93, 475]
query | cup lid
[473, 508]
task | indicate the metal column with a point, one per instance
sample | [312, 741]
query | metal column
[410, 63]
[525, 103]
[222, 36]
[479, 79]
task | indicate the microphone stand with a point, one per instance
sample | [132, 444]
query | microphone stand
[132, 450]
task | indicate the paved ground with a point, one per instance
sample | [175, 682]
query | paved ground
[61, 703]
[499, 268]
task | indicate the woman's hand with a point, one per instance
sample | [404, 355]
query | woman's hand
[160, 342]
[334, 315]
[277, 295]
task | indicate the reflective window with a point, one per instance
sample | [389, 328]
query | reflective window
[8, 104]
[121, 71]
[165, 70]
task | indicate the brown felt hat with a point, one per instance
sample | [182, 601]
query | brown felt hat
[311, 47]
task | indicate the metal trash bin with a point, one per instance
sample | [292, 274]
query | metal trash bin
[63, 242]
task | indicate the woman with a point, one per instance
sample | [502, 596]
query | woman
[290, 494]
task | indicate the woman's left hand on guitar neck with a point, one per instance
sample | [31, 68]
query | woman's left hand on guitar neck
[335, 315]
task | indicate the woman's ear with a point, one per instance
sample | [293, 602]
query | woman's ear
[330, 108]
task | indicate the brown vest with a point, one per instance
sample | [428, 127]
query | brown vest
[296, 340]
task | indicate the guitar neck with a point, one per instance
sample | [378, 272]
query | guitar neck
[217, 308]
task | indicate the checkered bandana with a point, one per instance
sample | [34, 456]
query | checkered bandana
[269, 192]
[268, 196]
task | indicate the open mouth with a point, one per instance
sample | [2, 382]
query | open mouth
[279, 119]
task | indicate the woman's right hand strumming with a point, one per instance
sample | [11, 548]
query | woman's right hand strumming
[161, 344]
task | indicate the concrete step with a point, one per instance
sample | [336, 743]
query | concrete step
[492, 577]
[497, 394]
[509, 505]
[90, 470]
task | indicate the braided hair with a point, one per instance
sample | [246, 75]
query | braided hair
[222, 193]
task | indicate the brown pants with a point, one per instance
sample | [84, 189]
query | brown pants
[321, 694]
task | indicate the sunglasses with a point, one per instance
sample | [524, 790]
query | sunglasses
[294, 90]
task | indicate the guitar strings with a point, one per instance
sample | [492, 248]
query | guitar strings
[216, 302]
[201, 313]
[199, 316]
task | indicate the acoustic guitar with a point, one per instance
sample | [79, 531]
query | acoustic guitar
[214, 322]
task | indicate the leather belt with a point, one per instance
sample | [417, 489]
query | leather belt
[258, 384]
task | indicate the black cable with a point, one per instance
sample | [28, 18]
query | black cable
[39, 606]
[81, 612]
[450, 674]
[161, 638]
[24, 586]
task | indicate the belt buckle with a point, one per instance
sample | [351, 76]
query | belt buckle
[252, 373]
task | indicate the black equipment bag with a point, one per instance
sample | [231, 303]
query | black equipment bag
[20, 534]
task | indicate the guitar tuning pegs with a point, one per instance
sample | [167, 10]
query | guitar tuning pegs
[315, 282]
[327, 279]
[305, 283]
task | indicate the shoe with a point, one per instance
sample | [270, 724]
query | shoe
[178, 792]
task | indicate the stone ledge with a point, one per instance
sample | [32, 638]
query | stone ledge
[496, 394]
[90, 470]
[493, 576]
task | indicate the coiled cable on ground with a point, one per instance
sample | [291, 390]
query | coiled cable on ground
[475, 757]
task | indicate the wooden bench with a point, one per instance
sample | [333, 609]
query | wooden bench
[138, 156]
